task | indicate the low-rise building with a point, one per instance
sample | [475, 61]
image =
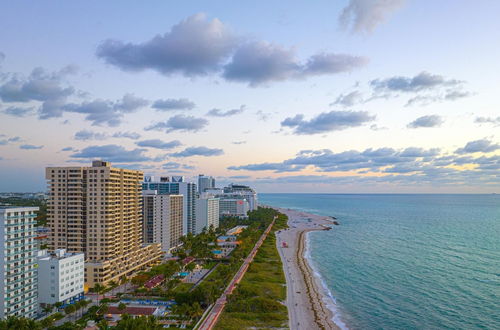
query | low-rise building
[61, 277]
[18, 276]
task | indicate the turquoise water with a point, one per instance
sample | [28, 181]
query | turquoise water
[408, 261]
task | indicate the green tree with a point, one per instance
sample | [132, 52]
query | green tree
[103, 309]
[124, 280]
[98, 288]
[19, 323]
[48, 308]
[69, 309]
[122, 307]
[103, 325]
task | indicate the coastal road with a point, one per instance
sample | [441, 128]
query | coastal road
[213, 316]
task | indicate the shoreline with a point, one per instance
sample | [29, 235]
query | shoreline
[310, 303]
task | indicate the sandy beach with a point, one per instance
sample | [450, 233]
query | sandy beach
[306, 296]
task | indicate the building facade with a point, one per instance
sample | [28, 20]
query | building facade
[233, 207]
[205, 182]
[244, 192]
[186, 189]
[97, 210]
[164, 215]
[207, 213]
[61, 277]
[18, 276]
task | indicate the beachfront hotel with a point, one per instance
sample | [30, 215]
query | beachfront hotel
[97, 210]
[178, 186]
[163, 215]
[18, 276]
[207, 213]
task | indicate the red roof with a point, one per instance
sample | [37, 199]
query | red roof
[132, 310]
[187, 260]
[154, 281]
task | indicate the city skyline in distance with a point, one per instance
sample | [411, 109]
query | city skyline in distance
[332, 97]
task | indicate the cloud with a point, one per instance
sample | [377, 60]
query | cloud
[421, 82]
[374, 160]
[365, 15]
[411, 166]
[375, 127]
[159, 144]
[415, 152]
[86, 135]
[424, 176]
[328, 63]
[451, 95]
[30, 147]
[112, 153]
[9, 140]
[263, 116]
[239, 177]
[173, 104]
[276, 167]
[482, 145]
[349, 100]
[127, 135]
[426, 121]
[19, 111]
[261, 62]
[327, 122]
[228, 113]
[180, 123]
[239, 142]
[488, 120]
[195, 46]
[101, 112]
[178, 167]
[198, 151]
[38, 86]
[68, 149]
[198, 46]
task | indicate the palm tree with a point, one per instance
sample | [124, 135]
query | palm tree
[102, 325]
[70, 309]
[98, 288]
[18, 323]
[124, 280]
[48, 308]
[103, 309]
[122, 307]
[196, 310]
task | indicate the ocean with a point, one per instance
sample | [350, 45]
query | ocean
[407, 261]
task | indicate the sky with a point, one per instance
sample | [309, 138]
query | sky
[338, 96]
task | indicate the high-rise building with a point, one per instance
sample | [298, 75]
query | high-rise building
[163, 215]
[233, 207]
[61, 277]
[186, 189]
[97, 210]
[238, 191]
[18, 276]
[207, 214]
[205, 182]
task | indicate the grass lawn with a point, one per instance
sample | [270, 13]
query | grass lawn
[257, 302]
